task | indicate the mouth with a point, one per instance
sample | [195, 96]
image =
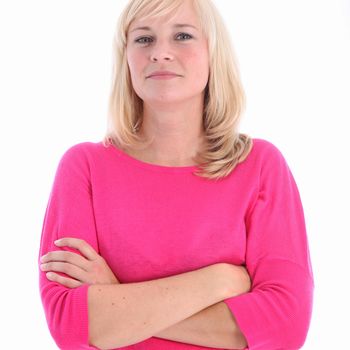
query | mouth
[164, 76]
[162, 73]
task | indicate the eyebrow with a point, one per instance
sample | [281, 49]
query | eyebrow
[175, 26]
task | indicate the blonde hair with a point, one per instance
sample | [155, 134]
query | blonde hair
[224, 99]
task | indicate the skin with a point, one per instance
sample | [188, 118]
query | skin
[173, 109]
[90, 267]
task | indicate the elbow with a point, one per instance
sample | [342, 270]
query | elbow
[292, 303]
[301, 323]
[294, 333]
[289, 334]
[64, 310]
[276, 314]
[63, 340]
[67, 338]
[296, 339]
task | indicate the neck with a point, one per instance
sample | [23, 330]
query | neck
[177, 137]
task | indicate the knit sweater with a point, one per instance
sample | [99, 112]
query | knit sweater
[151, 221]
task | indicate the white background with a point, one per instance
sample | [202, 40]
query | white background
[55, 70]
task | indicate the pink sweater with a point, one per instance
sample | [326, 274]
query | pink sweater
[151, 221]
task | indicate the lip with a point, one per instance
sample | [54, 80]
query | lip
[163, 73]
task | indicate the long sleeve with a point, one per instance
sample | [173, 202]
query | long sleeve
[69, 213]
[276, 313]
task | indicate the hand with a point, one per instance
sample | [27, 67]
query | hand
[90, 268]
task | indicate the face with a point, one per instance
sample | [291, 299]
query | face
[166, 46]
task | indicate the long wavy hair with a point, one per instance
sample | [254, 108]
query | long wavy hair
[224, 99]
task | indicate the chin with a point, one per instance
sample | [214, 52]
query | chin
[165, 99]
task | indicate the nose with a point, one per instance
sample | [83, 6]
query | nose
[160, 53]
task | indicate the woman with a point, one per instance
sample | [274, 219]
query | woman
[176, 231]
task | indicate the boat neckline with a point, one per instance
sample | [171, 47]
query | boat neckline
[152, 166]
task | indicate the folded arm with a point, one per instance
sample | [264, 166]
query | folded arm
[125, 314]
[213, 327]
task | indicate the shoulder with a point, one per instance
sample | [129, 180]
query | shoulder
[81, 156]
[268, 159]
[271, 163]
[266, 147]
[83, 150]
[266, 151]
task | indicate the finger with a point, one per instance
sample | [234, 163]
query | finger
[84, 247]
[69, 257]
[67, 282]
[68, 269]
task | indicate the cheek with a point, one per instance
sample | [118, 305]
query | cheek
[134, 62]
[197, 55]
[192, 55]
[132, 65]
[198, 62]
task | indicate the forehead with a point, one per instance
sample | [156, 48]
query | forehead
[184, 14]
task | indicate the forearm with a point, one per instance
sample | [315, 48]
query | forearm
[125, 314]
[213, 327]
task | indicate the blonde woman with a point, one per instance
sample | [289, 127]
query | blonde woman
[176, 231]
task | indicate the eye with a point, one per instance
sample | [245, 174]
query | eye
[185, 34]
[139, 40]
[144, 39]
